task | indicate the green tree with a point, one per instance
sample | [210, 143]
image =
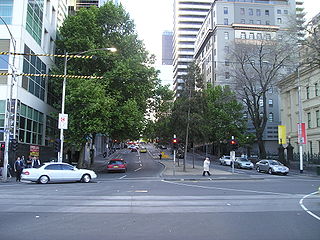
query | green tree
[128, 78]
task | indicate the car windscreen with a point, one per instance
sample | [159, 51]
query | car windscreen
[275, 163]
[243, 160]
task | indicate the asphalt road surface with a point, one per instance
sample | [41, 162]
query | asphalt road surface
[139, 204]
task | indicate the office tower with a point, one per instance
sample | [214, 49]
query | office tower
[167, 48]
[188, 18]
[29, 27]
[249, 21]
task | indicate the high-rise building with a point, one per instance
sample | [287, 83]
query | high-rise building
[188, 18]
[29, 27]
[231, 21]
[167, 48]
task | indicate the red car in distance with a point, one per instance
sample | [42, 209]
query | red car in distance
[117, 165]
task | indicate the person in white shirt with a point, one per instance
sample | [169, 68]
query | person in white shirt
[206, 167]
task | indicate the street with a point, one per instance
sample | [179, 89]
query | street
[141, 204]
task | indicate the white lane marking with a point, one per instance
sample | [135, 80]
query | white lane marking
[138, 169]
[140, 165]
[229, 189]
[122, 177]
[306, 209]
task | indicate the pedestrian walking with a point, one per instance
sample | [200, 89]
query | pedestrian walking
[160, 156]
[206, 167]
[18, 167]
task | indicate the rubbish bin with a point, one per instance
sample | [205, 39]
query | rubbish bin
[318, 170]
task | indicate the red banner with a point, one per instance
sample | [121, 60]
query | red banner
[302, 136]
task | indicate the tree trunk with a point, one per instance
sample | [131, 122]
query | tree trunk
[81, 156]
[262, 149]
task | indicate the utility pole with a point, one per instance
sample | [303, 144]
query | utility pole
[8, 116]
[300, 138]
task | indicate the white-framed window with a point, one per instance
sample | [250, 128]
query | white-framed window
[268, 36]
[250, 21]
[309, 120]
[259, 36]
[266, 12]
[242, 11]
[279, 11]
[270, 117]
[279, 20]
[258, 12]
[285, 11]
[227, 75]
[225, 10]
[316, 89]
[250, 12]
[261, 102]
[318, 118]
[243, 21]
[267, 22]
[270, 103]
[226, 35]
[251, 35]
[259, 22]
[243, 35]
[225, 21]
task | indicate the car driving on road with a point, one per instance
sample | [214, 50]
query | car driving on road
[271, 167]
[117, 165]
[57, 172]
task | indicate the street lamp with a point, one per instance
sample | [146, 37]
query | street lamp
[9, 109]
[74, 55]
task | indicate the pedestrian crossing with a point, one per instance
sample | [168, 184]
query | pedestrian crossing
[148, 204]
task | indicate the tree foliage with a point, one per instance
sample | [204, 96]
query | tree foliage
[116, 104]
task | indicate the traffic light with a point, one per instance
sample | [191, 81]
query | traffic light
[2, 147]
[57, 145]
[175, 143]
[14, 144]
[233, 144]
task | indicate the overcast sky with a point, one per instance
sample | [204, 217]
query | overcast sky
[152, 17]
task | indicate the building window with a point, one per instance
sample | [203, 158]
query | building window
[309, 120]
[268, 36]
[259, 36]
[270, 90]
[227, 75]
[261, 103]
[251, 35]
[316, 89]
[250, 21]
[259, 22]
[267, 12]
[243, 21]
[250, 11]
[279, 11]
[318, 118]
[308, 92]
[225, 10]
[6, 11]
[225, 21]
[30, 126]
[34, 84]
[242, 12]
[285, 11]
[310, 145]
[270, 117]
[243, 35]
[267, 22]
[270, 103]
[279, 20]
[226, 49]
[226, 35]
[258, 12]
[34, 19]
[227, 63]
[245, 115]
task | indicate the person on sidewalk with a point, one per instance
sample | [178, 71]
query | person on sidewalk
[18, 167]
[206, 167]
[160, 155]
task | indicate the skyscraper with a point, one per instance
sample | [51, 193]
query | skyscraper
[188, 18]
[167, 48]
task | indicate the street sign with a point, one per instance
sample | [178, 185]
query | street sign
[302, 139]
[63, 121]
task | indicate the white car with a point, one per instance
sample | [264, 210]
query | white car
[225, 160]
[57, 172]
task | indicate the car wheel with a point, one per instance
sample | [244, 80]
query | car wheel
[285, 174]
[258, 169]
[43, 179]
[270, 171]
[86, 178]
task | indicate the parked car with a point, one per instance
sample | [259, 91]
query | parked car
[57, 172]
[241, 162]
[117, 165]
[225, 160]
[134, 149]
[271, 167]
